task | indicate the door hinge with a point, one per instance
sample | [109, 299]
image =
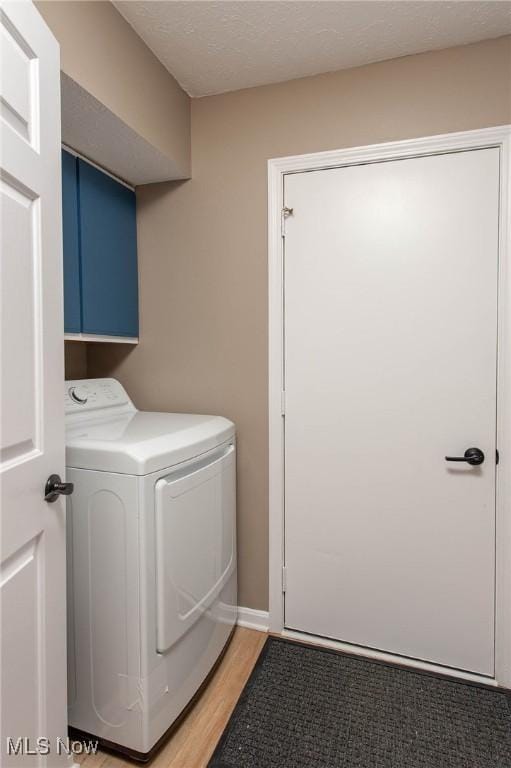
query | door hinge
[283, 403]
[285, 213]
[284, 578]
[497, 456]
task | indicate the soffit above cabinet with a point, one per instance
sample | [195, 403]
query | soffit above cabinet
[95, 132]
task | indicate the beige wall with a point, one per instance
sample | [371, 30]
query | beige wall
[75, 359]
[202, 243]
[103, 54]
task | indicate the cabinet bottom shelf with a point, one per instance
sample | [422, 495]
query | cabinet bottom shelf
[100, 338]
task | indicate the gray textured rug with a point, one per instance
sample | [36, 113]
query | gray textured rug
[306, 707]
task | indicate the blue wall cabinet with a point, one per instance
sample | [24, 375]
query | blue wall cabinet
[108, 238]
[107, 255]
[72, 300]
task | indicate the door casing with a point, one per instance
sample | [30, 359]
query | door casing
[499, 137]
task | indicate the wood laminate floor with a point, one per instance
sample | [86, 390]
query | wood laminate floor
[194, 740]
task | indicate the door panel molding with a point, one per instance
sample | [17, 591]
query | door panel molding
[499, 137]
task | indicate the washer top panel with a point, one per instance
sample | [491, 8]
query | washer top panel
[104, 431]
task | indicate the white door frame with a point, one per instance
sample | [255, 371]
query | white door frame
[277, 168]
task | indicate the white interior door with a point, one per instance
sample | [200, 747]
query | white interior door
[32, 580]
[390, 365]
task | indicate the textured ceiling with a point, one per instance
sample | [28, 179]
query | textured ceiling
[212, 47]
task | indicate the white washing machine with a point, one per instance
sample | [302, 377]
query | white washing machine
[151, 561]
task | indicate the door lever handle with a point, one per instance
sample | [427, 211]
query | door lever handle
[55, 487]
[473, 456]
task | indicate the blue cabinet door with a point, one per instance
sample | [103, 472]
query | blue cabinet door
[108, 243]
[72, 299]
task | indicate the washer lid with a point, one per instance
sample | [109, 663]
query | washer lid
[141, 442]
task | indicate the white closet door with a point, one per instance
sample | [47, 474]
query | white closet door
[32, 581]
[390, 365]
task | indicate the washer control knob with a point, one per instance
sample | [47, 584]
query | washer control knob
[78, 394]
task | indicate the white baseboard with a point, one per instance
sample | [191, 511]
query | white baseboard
[252, 619]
